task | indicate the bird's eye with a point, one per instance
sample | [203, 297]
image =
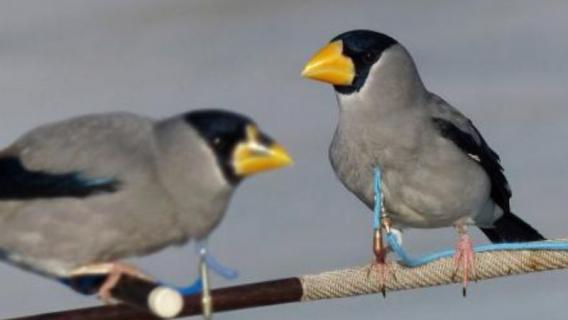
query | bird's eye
[217, 141]
[370, 57]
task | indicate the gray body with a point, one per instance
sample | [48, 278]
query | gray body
[170, 192]
[428, 181]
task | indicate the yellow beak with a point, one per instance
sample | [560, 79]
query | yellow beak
[252, 157]
[330, 65]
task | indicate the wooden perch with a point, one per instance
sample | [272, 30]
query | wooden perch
[337, 284]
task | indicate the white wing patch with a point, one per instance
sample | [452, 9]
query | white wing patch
[474, 157]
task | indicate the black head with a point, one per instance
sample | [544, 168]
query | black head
[364, 47]
[232, 137]
[345, 62]
[222, 130]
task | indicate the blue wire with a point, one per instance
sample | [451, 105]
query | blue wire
[193, 288]
[213, 264]
[408, 261]
[225, 272]
[378, 203]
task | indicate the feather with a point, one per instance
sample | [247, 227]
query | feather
[481, 153]
[18, 183]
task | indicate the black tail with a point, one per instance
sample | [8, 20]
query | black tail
[510, 228]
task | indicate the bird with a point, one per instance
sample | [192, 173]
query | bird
[79, 195]
[437, 169]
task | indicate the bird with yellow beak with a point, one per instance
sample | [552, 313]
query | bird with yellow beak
[79, 195]
[437, 169]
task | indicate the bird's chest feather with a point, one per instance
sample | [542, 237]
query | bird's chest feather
[427, 184]
[438, 189]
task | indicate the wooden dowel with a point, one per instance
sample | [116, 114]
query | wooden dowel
[161, 301]
[248, 296]
[231, 298]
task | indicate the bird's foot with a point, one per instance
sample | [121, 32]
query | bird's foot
[464, 259]
[379, 263]
[113, 271]
[382, 269]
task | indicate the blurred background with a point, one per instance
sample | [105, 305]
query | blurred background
[502, 63]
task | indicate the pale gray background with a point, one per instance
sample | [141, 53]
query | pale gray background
[504, 64]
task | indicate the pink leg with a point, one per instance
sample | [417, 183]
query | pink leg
[464, 257]
[114, 271]
[118, 269]
[379, 264]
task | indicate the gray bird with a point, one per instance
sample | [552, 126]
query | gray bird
[437, 169]
[78, 195]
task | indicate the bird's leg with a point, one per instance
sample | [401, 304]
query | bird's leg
[379, 263]
[464, 256]
[114, 271]
[206, 299]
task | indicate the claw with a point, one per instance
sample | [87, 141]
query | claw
[383, 271]
[464, 258]
[379, 263]
[114, 271]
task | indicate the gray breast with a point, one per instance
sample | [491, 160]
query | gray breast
[439, 188]
[427, 181]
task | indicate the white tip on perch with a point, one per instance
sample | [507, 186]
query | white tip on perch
[165, 302]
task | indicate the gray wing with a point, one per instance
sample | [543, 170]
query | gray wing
[460, 130]
[77, 157]
[58, 167]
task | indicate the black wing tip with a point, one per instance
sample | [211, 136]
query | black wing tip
[19, 183]
[510, 228]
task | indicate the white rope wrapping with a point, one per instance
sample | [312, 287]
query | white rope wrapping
[357, 281]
